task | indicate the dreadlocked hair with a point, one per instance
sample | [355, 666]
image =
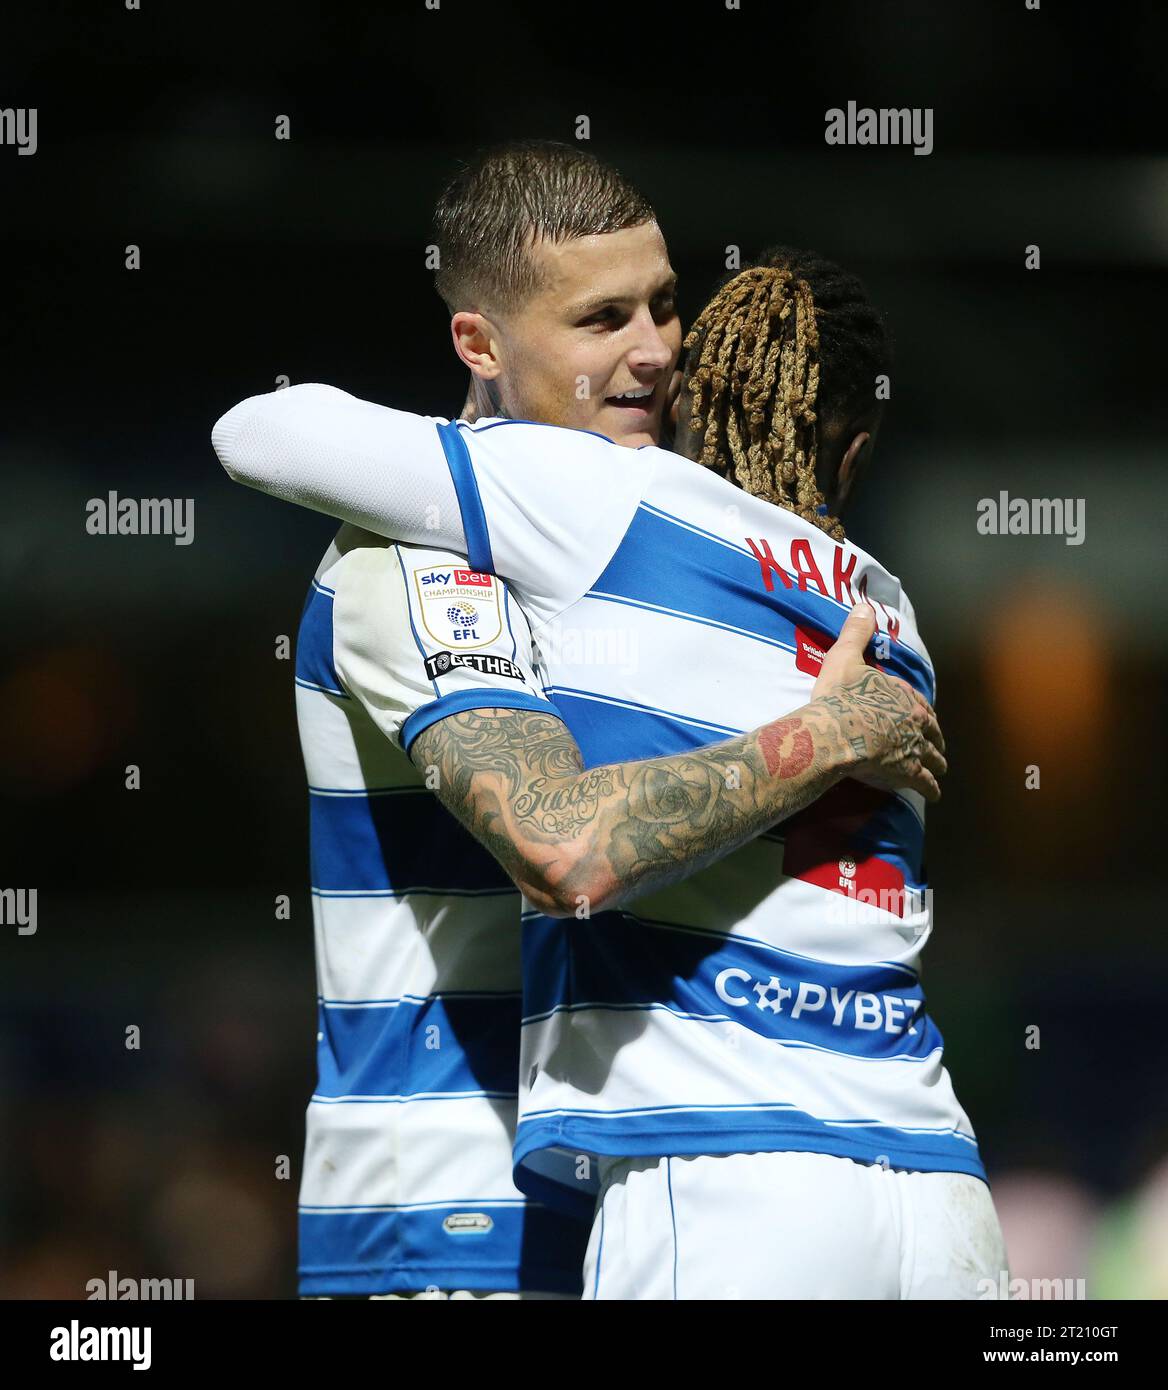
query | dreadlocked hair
[784, 345]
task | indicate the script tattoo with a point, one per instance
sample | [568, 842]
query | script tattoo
[564, 809]
[516, 779]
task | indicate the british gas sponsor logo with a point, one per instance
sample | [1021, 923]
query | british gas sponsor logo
[809, 651]
[459, 608]
[811, 646]
[828, 1006]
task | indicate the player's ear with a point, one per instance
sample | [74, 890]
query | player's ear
[851, 466]
[476, 343]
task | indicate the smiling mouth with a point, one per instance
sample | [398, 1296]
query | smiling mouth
[639, 399]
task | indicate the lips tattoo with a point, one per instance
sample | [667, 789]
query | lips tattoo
[800, 749]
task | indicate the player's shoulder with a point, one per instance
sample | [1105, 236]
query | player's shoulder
[535, 437]
[353, 554]
[357, 556]
[375, 581]
[513, 431]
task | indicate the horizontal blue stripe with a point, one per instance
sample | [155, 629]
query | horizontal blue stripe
[404, 1250]
[599, 597]
[908, 654]
[756, 1108]
[446, 1044]
[614, 961]
[666, 561]
[715, 936]
[725, 1130]
[610, 733]
[315, 668]
[712, 934]
[594, 1009]
[693, 526]
[392, 844]
[703, 726]
[459, 701]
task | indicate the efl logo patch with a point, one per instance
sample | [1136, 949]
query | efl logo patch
[459, 607]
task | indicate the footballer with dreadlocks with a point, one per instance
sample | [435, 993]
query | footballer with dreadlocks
[781, 384]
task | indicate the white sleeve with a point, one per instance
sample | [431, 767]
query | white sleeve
[541, 506]
[383, 470]
[418, 636]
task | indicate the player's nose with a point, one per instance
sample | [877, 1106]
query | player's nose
[651, 348]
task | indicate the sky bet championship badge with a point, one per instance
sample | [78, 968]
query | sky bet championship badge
[460, 609]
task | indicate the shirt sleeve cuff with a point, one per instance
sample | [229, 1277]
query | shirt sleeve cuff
[458, 701]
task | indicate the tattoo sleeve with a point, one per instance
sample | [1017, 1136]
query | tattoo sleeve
[564, 833]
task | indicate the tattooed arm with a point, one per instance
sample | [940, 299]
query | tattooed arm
[517, 781]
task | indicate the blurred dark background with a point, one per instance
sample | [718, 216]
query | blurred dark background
[306, 258]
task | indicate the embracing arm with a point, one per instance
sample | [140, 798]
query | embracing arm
[571, 837]
[381, 469]
[486, 493]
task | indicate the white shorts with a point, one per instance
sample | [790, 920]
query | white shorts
[788, 1225]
